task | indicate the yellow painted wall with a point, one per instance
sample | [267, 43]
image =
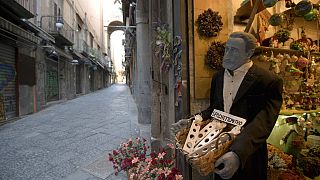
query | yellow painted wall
[203, 73]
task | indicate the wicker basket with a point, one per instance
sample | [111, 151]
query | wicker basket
[273, 174]
[204, 164]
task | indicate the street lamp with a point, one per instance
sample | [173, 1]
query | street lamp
[94, 67]
[74, 62]
[59, 22]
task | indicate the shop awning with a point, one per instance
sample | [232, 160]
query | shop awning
[16, 8]
[63, 53]
[100, 64]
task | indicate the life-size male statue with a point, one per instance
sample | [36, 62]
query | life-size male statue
[243, 89]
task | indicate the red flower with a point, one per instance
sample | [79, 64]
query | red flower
[115, 152]
[161, 176]
[153, 155]
[171, 176]
[153, 162]
[174, 170]
[168, 161]
[110, 158]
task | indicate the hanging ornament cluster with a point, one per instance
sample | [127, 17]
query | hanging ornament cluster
[269, 3]
[305, 9]
[282, 35]
[209, 23]
[215, 54]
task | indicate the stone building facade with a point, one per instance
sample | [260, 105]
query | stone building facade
[50, 51]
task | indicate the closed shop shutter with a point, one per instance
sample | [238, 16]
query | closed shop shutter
[78, 79]
[52, 82]
[8, 98]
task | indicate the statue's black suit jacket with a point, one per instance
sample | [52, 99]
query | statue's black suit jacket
[258, 100]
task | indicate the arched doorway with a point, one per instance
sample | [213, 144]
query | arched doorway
[115, 46]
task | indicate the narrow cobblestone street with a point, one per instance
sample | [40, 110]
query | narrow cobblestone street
[70, 140]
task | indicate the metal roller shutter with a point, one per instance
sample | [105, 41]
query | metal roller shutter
[78, 79]
[8, 81]
[52, 82]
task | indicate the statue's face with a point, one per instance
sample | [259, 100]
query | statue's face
[235, 54]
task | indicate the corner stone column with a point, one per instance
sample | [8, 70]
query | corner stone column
[143, 63]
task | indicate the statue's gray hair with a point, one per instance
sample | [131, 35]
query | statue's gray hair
[249, 39]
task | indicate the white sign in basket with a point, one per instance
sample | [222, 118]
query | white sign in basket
[228, 118]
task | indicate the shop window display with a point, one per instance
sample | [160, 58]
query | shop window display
[292, 52]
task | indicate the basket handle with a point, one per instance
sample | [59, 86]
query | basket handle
[222, 134]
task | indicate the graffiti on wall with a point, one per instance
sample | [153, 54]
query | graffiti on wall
[2, 112]
[7, 74]
[52, 85]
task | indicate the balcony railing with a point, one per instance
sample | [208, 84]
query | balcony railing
[85, 48]
[27, 4]
[63, 35]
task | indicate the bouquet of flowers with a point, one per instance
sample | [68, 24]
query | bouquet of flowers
[128, 154]
[159, 166]
[278, 160]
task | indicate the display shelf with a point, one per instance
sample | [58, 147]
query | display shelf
[293, 112]
[268, 50]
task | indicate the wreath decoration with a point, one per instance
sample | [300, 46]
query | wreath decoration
[209, 23]
[215, 54]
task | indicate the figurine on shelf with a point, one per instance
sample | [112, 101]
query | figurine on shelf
[293, 70]
[306, 42]
[289, 4]
[282, 36]
[274, 64]
[302, 63]
[293, 139]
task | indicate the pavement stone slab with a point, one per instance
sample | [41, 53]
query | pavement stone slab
[101, 168]
[81, 175]
[62, 170]
[120, 176]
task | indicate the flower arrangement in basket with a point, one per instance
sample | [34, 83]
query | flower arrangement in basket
[159, 165]
[132, 157]
[127, 154]
[278, 161]
[281, 165]
[204, 142]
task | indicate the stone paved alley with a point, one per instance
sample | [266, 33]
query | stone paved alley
[70, 140]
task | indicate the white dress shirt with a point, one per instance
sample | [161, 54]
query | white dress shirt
[232, 83]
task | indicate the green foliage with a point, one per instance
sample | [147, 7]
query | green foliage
[164, 46]
[95, 54]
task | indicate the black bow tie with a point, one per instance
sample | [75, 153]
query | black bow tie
[231, 72]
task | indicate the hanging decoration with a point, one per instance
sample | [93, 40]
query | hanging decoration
[163, 47]
[215, 54]
[277, 19]
[302, 8]
[177, 52]
[209, 23]
[282, 35]
[269, 3]
[312, 15]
